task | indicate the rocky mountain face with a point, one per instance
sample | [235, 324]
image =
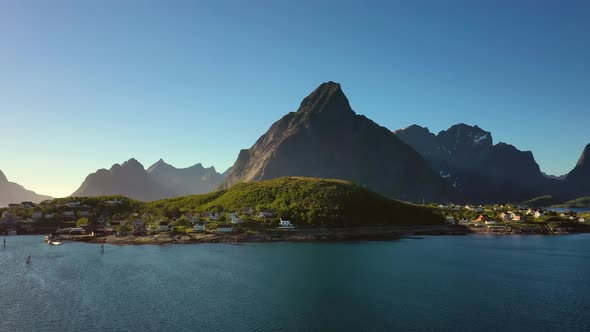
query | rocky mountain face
[161, 180]
[11, 192]
[466, 157]
[325, 138]
[577, 182]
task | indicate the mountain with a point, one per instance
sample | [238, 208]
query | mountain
[577, 182]
[161, 180]
[325, 138]
[186, 181]
[466, 157]
[11, 192]
[309, 201]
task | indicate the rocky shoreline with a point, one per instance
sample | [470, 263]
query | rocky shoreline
[309, 235]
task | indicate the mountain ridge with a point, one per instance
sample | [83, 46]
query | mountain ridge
[325, 138]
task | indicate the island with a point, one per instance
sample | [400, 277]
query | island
[282, 209]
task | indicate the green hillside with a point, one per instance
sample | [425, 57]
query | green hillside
[306, 201]
[542, 201]
[582, 202]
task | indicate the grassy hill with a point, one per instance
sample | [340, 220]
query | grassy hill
[582, 202]
[305, 201]
[542, 201]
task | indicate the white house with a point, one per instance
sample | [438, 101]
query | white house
[199, 227]
[234, 218]
[538, 214]
[164, 226]
[225, 229]
[467, 207]
[7, 215]
[491, 222]
[37, 215]
[266, 214]
[72, 204]
[478, 209]
[285, 224]
[463, 221]
[581, 219]
[450, 220]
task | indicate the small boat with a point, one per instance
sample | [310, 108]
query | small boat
[4, 243]
[55, 243]
[102, 248]
[29, 259]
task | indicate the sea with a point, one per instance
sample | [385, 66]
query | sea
[434, 283]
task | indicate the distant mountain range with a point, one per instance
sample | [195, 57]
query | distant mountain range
[11, 192]
[325, 138]
[160, 180]
[466, 158]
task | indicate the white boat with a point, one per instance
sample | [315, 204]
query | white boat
[55, 243]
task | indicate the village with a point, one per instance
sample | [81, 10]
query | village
[114, 217]
[97, 218]
[511, 218]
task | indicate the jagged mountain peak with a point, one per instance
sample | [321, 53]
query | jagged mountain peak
[585, 157]
[328, 97]
[3, 177]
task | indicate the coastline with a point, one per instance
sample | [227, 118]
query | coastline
[383, 233]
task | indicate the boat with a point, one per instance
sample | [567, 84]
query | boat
[29, 259]
[55, 243]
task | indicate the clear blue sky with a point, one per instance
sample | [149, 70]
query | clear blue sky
[85, 84]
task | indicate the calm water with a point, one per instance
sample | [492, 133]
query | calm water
[436, 283]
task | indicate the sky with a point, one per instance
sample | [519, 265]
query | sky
[86, 84]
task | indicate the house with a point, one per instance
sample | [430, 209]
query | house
[7, 215]
[192, 217]
[285, 224]
[538, 214]
[581, 219]
[234, 218]
[13, 206]
[450, 220]
[27, 205]
[248, 211]
[73, 204]
[48, 216]
[199, 227]
[504, 216]
[490, 222]
[463, 221]
[467, 207]
[37, 215]
[68, 214]
[114, 202]
[76, 231]
[478, 209]
[266, 214]
[482, 218]
[164, 226]
[210, 215]
[225, 229]
[138, 227]
[517, 217]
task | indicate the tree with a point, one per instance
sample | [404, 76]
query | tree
[82, 221]
[124, 228]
